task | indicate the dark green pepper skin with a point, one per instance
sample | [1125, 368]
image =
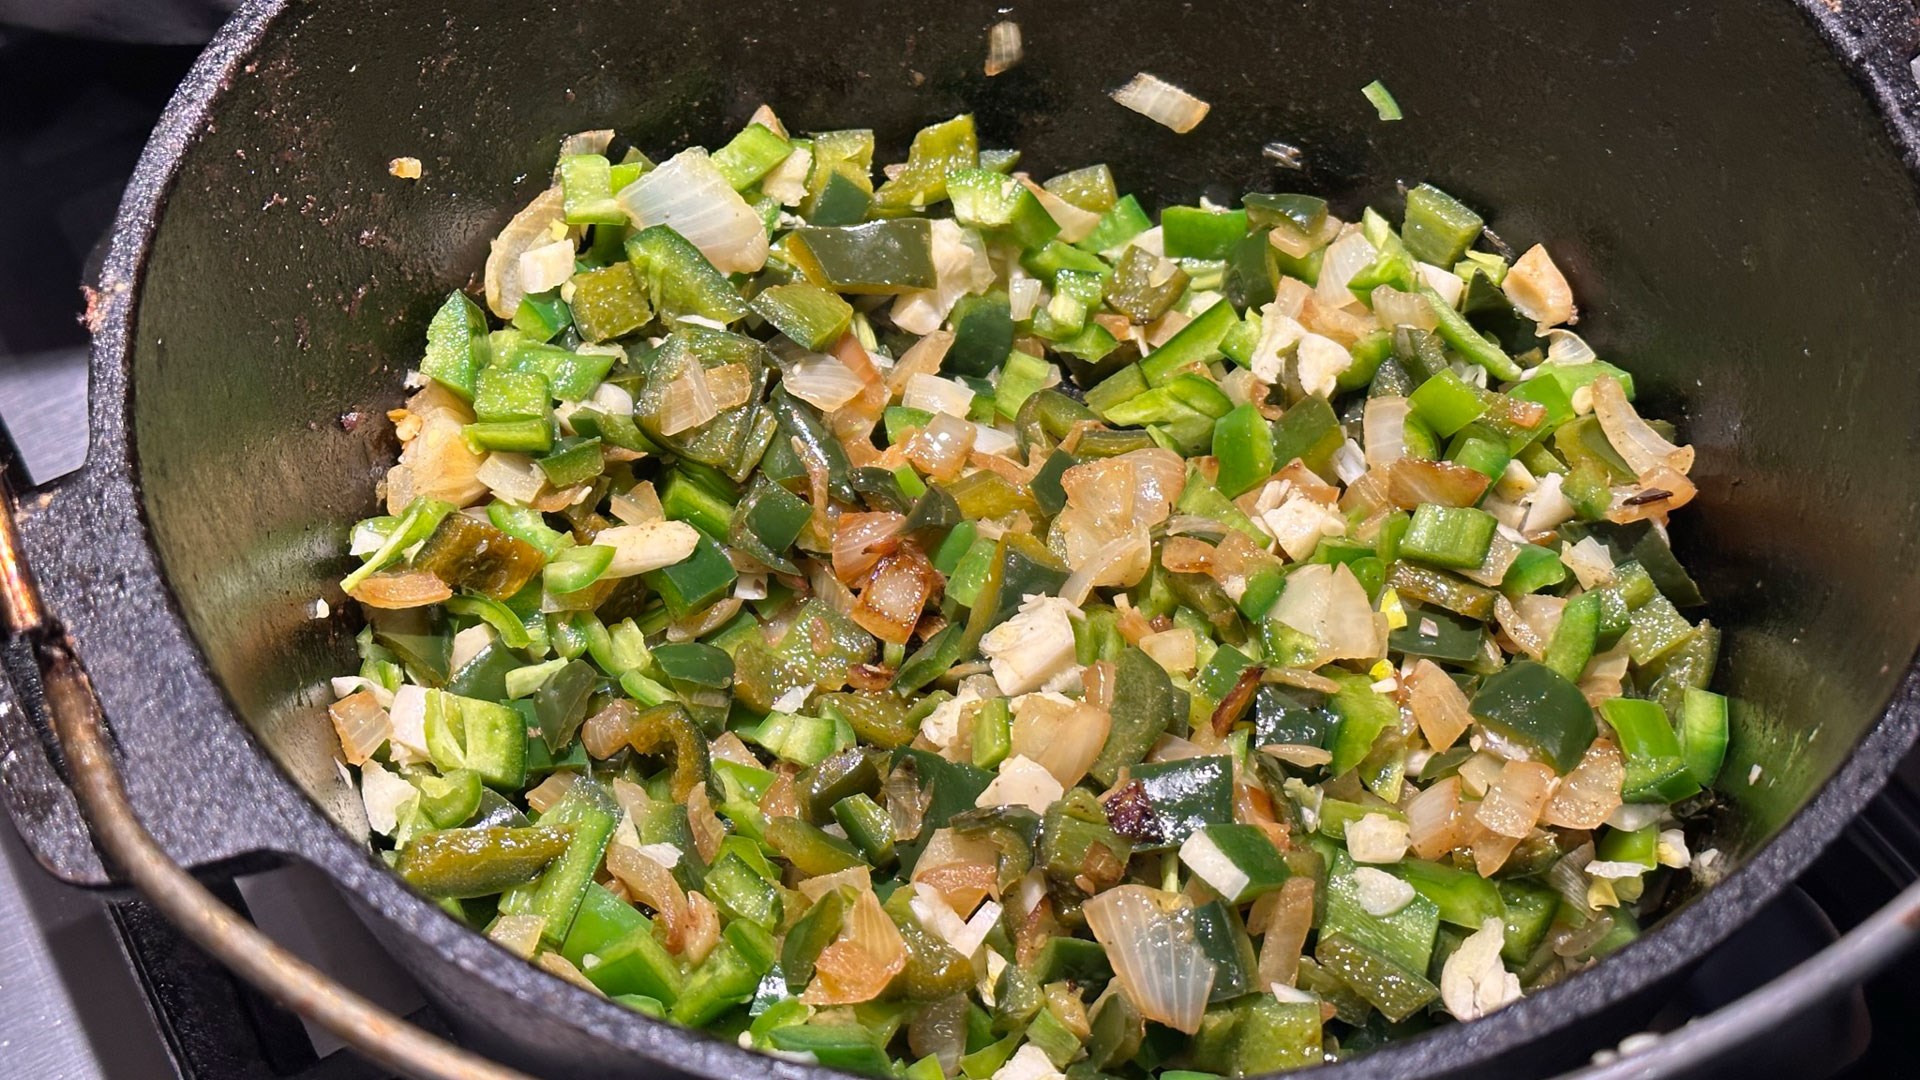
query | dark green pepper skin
[668, 728]
[458, 864]
[473, 555]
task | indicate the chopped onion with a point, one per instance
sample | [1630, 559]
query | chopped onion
[1060, 734]
[1473, 981]
[1589, 560]
[991, 440]
[1003, 52]
[1395, 308]
[1121, 561]
[532, 227]
[933, 394]
[1538, 289]
[1328, 604]
[386, 796]
[1567, 347]
[787, 182]
[1439, 706]
[439, 463]
[1443, 281]
[899, 587]
[519, 934]
[1591, 792]
[1492, 570]
[1512, 806]
[1023, 295]
[687, 403]
[363, 726]
[821, 381]
[730, 385]
[1163, 103]
[1643, 448]
[513, 477]
[1377, 838]
[1411, 481]
[547, 266]
[940, 450]
[689, 195]
[651, 884]
[1149, 939]
[542, 796]
[595, 141]
[859, 540]
[960, 267]
[861, 962]
[393, 590]
[1075, 224]
[1384, 429]
[637, 505]
[964, 868]
[1140, 485]
[1380, 893]
[1289, 921]
[1175, 650]
[1437, 821]
[1346, 257]
[923, 357]
[648, 546]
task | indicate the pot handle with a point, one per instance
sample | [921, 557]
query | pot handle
[79, 730]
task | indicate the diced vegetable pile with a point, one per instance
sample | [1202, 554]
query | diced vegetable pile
[957, 626]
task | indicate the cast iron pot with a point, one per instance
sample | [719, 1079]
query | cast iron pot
[1729, 191]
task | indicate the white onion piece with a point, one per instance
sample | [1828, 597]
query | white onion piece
[1395, 308]
[1023, 295]
[960, 267]
[1512, 806]
[1589, 560]
[991, 440]
[787, 182]
[1643, 449]
[690, 196]
[1120, 561]
[1003, 52]
[730, 385]
[513, 477]
[1538, 289]
[1075, 224]
[530, 228]
[1346, 257]
[941, 448]
[1349, 462]
[1377, 838]
[386, 796]
[687, 403]
[923, 357]
[1328, 604]
[612, 399]
[648, 546]
[1175, 649]
[931, 393]
[1589, 794]
[1473, 982]
[1436, 822]
[1492, 570]
[638, 506]
[822, 381]
[1149, 939]
[1384, 428]
[362, 725]
[1060, 734]
[1443, 281]
[1439, 705]
[1567, 347]
[587, 142]
[547, 266]
[1162, 102]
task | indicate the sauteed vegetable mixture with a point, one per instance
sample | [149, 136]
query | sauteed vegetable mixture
[955, 625]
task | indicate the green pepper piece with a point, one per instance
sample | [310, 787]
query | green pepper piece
[814, 932]
[418, 521]
[541, 316]
[1429, 586]
[892, 256]
[586, 185]
[937, 150]
[1192, 232]
[1145, 285]
[878, 719]
[1450, 536]
[1308, 432]
[1447, 402]
[1143, 708]
[727, 977]
[1656, 771]
[849, 772]
[694, 662]
[1703, 735]
[570, 376]
[1572, 644]
[695, 582]
[751, 155]
[635, 964]
[1365, 714]
[1077, 846]
[1165, 802]
[449, 800]
[1439, 228]
[1467, 341]
[574, 460]
[1276, 1036]
[679, 279]
[609, 302]
[458, 864]
[486, 737]
[1395, 990]
[951, 788]
[1537, 706]
[1464, 898]
[812, 851]
[457, 346]
[988, 200]
[1243, 445]
[1196, 342]
[809, 315]
[668, 728]
[602, 921]
[847, 1048]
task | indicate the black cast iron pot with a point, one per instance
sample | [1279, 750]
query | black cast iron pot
[1728, 186]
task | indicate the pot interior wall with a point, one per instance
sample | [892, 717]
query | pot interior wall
[1739, 230]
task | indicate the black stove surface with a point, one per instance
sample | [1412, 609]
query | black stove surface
[90, 988]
